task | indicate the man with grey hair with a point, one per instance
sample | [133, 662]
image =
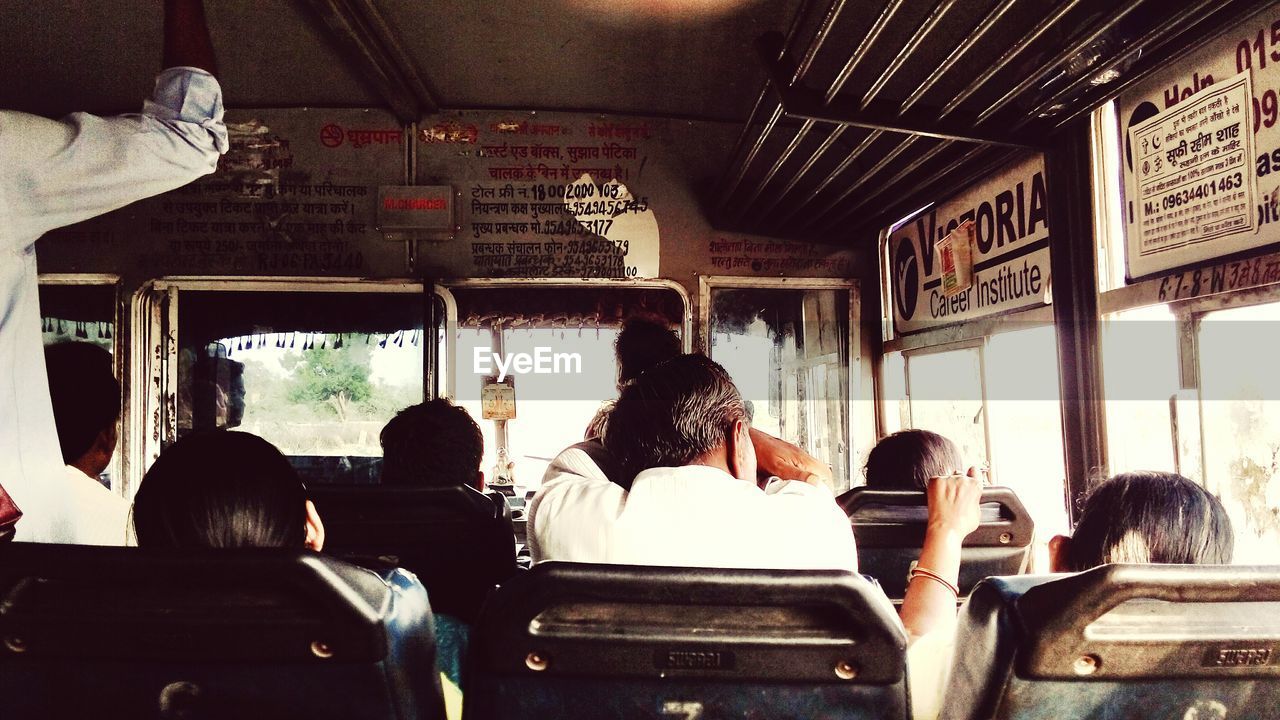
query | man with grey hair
[682, 432]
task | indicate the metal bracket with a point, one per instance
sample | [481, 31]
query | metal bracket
[799, 101]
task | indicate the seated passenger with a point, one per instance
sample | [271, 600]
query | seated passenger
[224, 489]
[907, 459]
[1146, 517]
[86, 410]
[646, 341]
[680, 431]
[923, 460]
[432, 444]
[436, 444]
[191, 498]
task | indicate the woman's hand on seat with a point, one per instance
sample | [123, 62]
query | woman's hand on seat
[954, 501]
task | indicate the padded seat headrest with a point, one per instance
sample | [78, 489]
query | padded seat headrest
[207, 605]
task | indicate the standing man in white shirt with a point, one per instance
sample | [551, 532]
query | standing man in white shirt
[682, 430]
[58, 172]
[86, 408]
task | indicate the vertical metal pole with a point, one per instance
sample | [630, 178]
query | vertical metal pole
[1072, 253]
[431, 319]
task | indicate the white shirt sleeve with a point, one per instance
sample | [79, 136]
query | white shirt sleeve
[567, 516]
[831, 543]
[59, 172]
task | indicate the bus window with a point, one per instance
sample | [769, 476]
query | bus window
[1140, 375]
[76, 311]
[1240, 406]
[788, 352]
[893, 393]
[946, 396]
[1026, 423]
[317, 374]
[997, 399]
[573, 330]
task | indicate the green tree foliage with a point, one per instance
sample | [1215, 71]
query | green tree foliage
[336, 378]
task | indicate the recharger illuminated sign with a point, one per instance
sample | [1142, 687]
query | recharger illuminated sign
[1010, 253]
[415, 207]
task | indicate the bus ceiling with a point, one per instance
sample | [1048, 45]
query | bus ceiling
[852, 112]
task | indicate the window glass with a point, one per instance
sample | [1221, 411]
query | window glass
[893, 393]
[946, 398]
[1026, 423]
[788, 353]
[317, 374]
[1240, 405]
[553, 409]
[83, 313]
[79, 313]
[573, 330]
[1140, 371]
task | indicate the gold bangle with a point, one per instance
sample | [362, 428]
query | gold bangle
[927, 573]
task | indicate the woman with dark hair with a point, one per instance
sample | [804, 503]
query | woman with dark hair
[190, 498]
[1146, 517]
[906, 460]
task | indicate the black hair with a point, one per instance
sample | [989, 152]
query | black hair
[221, 489]
[432, 443]
[906, 460]
[645, 341]
[1150, 517]
[673, 413]
[85, 394]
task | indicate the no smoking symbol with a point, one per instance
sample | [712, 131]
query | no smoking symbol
[331, 135]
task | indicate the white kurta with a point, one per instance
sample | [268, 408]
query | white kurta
[694, 516]
[58, 172]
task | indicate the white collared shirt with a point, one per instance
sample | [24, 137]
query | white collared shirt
[90, 513]
[693, 516]
[58, 172]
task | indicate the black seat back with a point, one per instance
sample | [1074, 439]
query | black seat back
[124, 632]
[1121, 641]
[570, 640]
[458, 541]
[890, 525]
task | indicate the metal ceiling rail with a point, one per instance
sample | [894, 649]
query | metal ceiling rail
[1006, 57]
[972, 39]
[1152, 39]
[378, 57]
[730, 185]
[813, 111]
[1078, 47]
[1042, 27]
[1160, 34]
[802, 69]
[931, 22]
[1079, 89]
[797, 101]
[1031, 79]
[978, 32]
[400, 60]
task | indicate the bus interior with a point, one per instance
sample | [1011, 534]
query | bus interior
[417, 193]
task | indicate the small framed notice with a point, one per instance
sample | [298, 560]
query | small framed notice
[1193, 186]
[955, 251]
[498, 400]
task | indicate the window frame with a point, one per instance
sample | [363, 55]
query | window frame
[861, 405]
[446, 285]
[153, 340]
[119, 362]
[1115, 297]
